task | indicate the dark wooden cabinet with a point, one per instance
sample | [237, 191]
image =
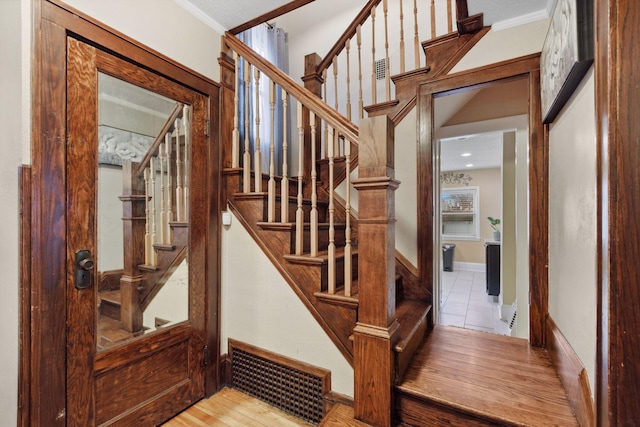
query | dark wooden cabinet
[492, 251]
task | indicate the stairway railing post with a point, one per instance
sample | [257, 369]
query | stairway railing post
[133, 224]
[312, 82]
[376, 332]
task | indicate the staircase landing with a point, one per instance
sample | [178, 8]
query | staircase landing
[480, 379]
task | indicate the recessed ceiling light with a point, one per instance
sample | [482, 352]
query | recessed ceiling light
[465, 154]
[469, 165]
[462, 138]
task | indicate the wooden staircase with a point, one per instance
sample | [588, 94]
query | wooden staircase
[366, 336]
[308, 275]
[154, 277]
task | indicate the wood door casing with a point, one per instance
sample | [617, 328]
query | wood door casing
[524, 67]
[157, 375]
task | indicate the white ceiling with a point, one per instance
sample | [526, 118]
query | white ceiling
[226, 14]
[485, 151]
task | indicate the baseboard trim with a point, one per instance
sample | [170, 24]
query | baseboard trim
[225, 371]
[476, 267]
[572, 373]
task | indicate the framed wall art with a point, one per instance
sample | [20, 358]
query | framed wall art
[567, 54]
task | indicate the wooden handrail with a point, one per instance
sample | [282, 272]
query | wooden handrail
[159, 139]
[308, 99]
[347, 35]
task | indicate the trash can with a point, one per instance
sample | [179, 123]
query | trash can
[448, 251]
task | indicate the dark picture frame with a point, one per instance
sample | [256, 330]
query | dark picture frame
[567, 54]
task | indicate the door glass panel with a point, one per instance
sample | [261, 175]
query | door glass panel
[142, 271]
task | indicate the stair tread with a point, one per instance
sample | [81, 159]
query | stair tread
[339, 296]
[292, 225]
[409, 314]
[111, 296]
[506, 382]
[320, 259]
[164, 246]
[254, 195]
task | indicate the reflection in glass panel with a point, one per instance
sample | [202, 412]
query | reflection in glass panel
[143, 152]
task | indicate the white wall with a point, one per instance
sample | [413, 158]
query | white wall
[260, 308]
[521, 328]
[509, 43]
[162, 25]
[572, 224]
[406, 166]
[14, 137]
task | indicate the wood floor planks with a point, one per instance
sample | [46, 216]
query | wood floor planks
[231, 408]
[501, 379]
[341, 416]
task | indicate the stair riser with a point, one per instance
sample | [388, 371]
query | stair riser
[417, 412]
[293, 207]
[324, 272]
[235, 184]
[110, 309]
[323, 239]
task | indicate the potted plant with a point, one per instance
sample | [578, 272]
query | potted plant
[495, 224]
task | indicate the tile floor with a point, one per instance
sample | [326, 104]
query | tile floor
[465, 303]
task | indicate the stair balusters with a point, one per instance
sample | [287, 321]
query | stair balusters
[416, 36]
[179, 179]
[152, 214]
[235, 149]
[402, 67]
[246, 159]
[187, 162]
[299, 211]
[360, 97]
[257, 157]
[332, 233]
[385, 61]
[348, 110]
[271, 198]
[160, 183]
[347, 231]
[284, 184]
[320, 230]
[169, 189]
[387, 76]
[147, 217]
[433, 19]
[374, 74]
[314, 188]
[163, 212]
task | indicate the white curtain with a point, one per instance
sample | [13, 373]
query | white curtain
[270, 42]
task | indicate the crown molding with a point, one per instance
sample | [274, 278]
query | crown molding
[212, 23]
[522, 20]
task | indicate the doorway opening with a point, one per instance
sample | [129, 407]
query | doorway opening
[480, 196]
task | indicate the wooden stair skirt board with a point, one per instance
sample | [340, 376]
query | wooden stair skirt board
[463, 377]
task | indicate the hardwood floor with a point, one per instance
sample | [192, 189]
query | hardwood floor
[230, 407]
[478, 378]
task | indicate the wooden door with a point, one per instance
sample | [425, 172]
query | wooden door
[148, 374]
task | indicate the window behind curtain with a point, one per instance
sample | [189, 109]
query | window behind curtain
[271, 43]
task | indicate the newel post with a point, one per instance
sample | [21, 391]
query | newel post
[313, 82]
[133, 223]
[377, 329]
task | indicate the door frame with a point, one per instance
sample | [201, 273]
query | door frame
[53, 21]
[529, 68]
